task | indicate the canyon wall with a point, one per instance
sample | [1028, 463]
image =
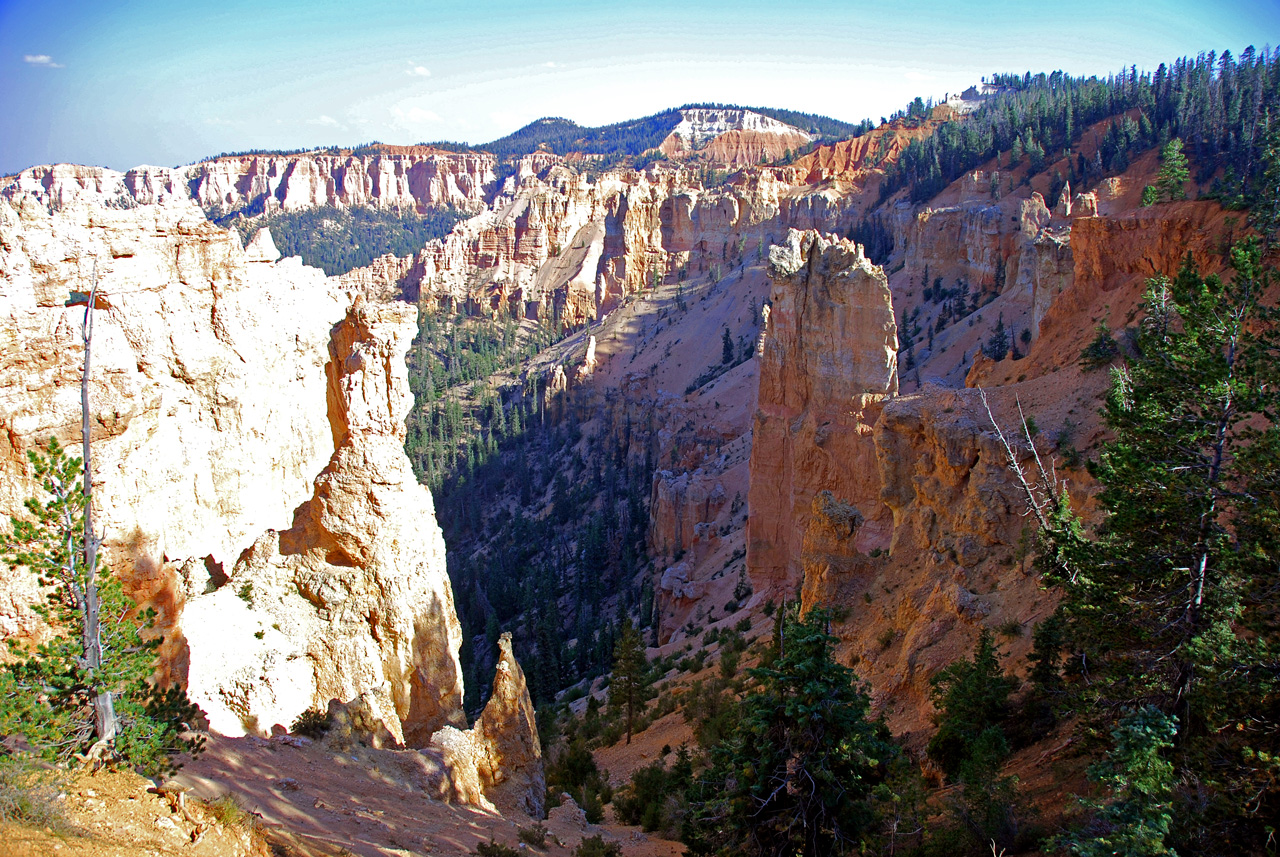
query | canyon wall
[223, 382]
[564, 245]
[353, 599]
[208, 383]
[897, 513]
[907, 521]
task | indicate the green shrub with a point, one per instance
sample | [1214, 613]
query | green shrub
[655, 797]
[574, 771]
[595, 846]
[313, 723]
[493, 848]
[535, 836]
[1010, 629]
[230, 812]
[1101, 351]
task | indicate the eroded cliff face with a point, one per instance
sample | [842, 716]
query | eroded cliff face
[223, 382]
[828, 363]
[404, 177]
[925, 542]
[897, 512]
[563, 245]
[353, 598]
[208, 385]
[953, 565]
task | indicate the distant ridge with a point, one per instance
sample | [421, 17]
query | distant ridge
[637, 136]
[562, 136]
[629, 138]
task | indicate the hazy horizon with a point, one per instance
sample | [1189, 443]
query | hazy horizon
[146, 83]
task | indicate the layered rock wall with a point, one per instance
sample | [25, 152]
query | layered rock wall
[565, 246]
[223, 382]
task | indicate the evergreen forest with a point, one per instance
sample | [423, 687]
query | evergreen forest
[337, 240]
[1220, 105]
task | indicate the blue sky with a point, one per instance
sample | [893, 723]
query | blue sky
[127, 83]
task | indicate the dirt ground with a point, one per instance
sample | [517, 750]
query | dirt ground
[302, 800]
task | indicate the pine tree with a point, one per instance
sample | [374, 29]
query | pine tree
[629, 681]
[50, 695]
[796, 775]
[1173, 176]
[972, 698]
[1137, 818]
[1173, 603]
[1265, 213]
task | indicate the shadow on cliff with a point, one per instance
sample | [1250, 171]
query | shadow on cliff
[155, 584]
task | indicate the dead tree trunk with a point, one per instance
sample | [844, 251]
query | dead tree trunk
[105, 722]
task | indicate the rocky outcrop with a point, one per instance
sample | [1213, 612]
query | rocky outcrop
[208, 388]
[980, 241]
[828, 363]
[859, 159]
[678, 504]
[1098, 271]
[404, 177]
[945, 478]
[498, 762]
[357, 722]
[1046, 268]
[353, 598]
[830, 562]
[220, 377]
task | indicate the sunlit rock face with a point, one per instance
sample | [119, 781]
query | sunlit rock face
[223, 382]
[208, 388]
[353, 598]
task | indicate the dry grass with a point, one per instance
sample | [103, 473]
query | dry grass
[29, 794]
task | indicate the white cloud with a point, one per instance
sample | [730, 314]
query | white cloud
[918, 75]
[418, 70]
[327, 121]
[43, 60]
[549, 64]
